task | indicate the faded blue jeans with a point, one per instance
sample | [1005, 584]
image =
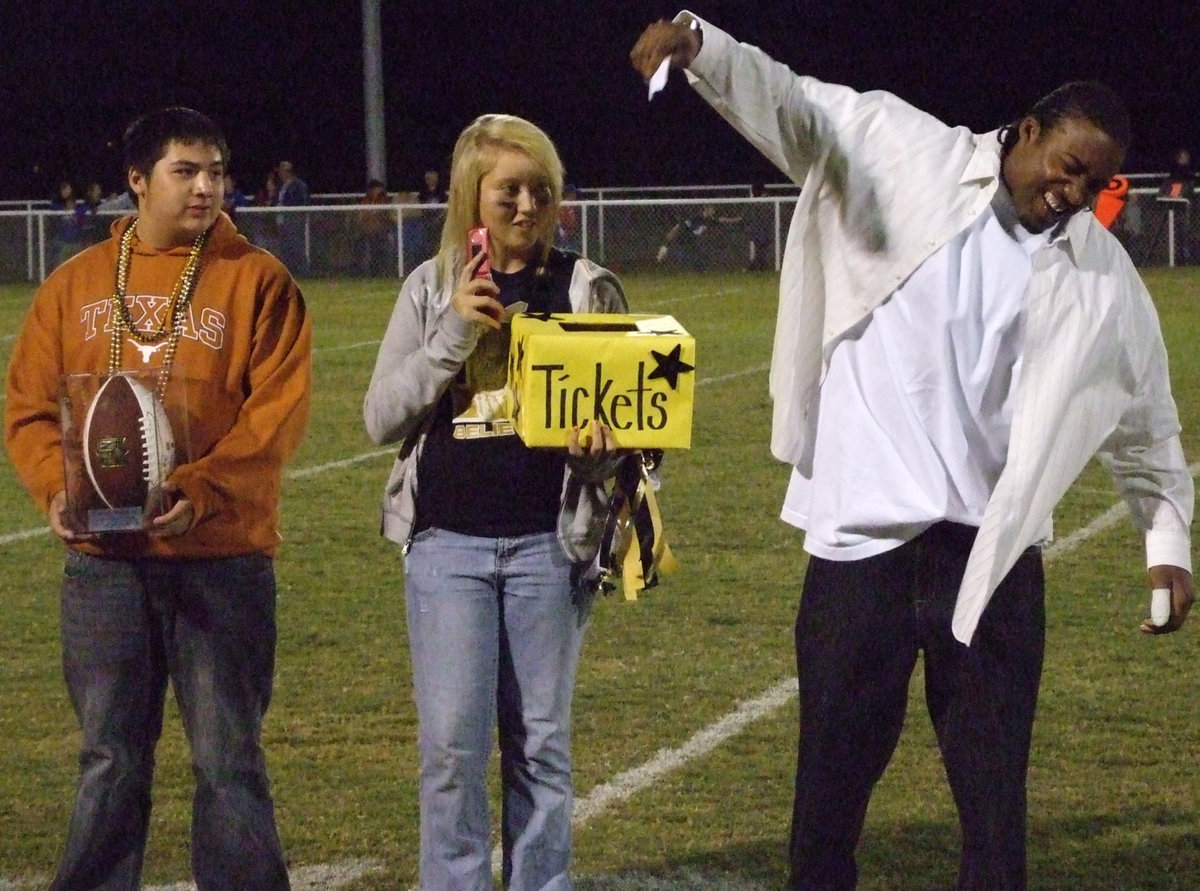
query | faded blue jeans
[495, 632]
[209, 627]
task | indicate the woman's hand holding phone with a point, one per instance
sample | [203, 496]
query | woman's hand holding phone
[475, 298]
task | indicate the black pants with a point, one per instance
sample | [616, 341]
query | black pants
[858, 631]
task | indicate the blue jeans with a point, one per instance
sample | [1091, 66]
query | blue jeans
[209, 627]
[495, 632]
[859, 629]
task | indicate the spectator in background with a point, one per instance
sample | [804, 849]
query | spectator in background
[268, 194]
[91, 227]
[421, 238]
[234, 197]
[293, 192]
[118, 202]
[93, 195]
[263, 228]
[759, 231]
[431, 190]
[66, 238]
[64, 196]
[569, 232]
[1178, 189]
[378, 231]
[690, 239]
[1181, 178]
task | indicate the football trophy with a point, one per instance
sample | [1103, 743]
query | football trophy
[119, 449]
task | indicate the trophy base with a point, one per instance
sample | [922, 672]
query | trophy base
[115, 519]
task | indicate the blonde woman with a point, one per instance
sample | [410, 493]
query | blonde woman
[496, 536]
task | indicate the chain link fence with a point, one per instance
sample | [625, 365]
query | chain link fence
[626, 230]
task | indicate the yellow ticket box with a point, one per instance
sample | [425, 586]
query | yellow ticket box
[635, 373]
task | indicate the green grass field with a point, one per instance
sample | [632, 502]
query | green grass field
[1114, 786]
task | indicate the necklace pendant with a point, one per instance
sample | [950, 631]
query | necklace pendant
[147, 349]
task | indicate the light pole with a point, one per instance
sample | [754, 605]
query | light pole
[373, 92]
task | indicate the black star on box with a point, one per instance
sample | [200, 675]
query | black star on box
[670, 366]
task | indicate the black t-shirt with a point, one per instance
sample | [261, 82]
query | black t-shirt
[493, 485]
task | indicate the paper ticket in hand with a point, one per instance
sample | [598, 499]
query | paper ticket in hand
[658, 79]
[1160, 606]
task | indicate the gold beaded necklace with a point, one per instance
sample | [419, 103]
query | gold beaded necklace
[177, 306]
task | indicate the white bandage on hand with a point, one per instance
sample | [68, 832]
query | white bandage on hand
[1160, 606]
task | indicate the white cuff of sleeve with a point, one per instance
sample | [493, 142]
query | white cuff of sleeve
[1168, 549]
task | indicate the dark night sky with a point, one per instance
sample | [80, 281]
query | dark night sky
[285, 79]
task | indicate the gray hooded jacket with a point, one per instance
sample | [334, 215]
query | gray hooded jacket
[425, 345]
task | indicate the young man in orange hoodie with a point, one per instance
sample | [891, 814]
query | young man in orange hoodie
[190, 597]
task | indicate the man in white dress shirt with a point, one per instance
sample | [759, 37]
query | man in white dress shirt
[957, 336]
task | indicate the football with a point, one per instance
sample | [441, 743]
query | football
[129, 448]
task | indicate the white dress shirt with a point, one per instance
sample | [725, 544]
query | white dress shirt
[884, 186]
[916, 407]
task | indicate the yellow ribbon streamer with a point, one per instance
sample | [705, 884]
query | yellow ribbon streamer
[636, 542]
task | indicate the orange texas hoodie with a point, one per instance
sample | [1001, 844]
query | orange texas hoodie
[243, 360]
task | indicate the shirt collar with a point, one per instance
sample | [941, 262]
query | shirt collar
[1075, 232]
[985, 160]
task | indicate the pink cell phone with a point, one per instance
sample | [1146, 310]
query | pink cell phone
[477, 243]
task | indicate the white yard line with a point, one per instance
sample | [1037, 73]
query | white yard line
[634, 781]
[347, 346]
[322, 877]
[654, 306]
[316, 469]
[12, 537]
[687, 879]
[1106, 520]
[733, 375]
[651, 307]
[627, 784]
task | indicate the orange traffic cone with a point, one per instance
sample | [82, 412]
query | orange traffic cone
[1111, 201]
